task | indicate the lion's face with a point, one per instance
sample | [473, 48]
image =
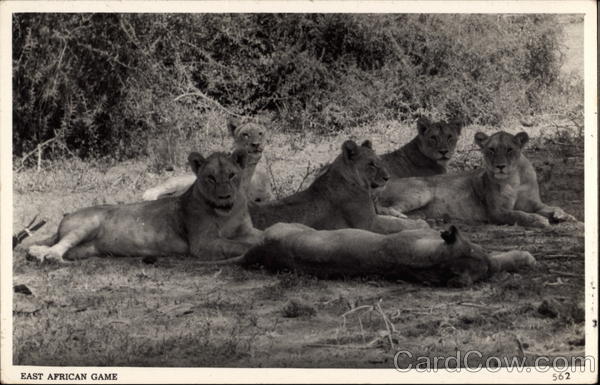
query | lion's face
[501, 152]
[370, 172]
[249, 136]
[437, 140]
[218, 178]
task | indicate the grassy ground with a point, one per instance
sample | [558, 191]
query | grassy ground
[120, 311]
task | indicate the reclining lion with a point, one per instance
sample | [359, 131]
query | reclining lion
[427, 153]
[340, 197]
[504, 191]
[247, 135]
[420, 254]
[209, 221]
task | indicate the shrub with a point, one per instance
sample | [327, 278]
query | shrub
[115, 84]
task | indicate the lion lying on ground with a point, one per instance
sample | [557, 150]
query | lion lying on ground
[209, 221]
[428, 153]
[423, 255]
[504, 191]
[340, 197]
[247, 135]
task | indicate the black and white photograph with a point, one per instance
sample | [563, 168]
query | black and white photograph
[309, 185]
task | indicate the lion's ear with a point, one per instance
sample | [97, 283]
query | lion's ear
[456, 125]
[367, 143]
[480, 139]
[521, 139]
[423, 124]
[240, 157]
[450, 235]
[232, 124]
[350, 149]
[196, 161]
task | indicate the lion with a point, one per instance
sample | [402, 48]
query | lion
[504, 191]
[340, 197]
[427, 153]
[422, 255]
[209, 221]
[248, 135]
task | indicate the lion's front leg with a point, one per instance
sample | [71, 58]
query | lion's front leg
[385, 224]
[511, 261]
[511, 217]
[555, 214]
[217, 249]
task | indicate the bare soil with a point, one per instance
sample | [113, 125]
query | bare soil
[124, 312]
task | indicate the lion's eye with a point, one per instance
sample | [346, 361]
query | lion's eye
[450, 137]
[491, 151]
[231, 176]
[509, 151]
[212, 179]
[372, 164]
[245, 135]
[260, 134]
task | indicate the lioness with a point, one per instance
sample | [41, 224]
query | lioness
[338, 198]
[428, 153]
[419, 254]
[248, 135]
[209, 221]
[503, 191]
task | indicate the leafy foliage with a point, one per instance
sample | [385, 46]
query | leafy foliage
[110, 84]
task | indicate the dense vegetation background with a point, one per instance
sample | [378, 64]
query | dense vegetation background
[94, 85]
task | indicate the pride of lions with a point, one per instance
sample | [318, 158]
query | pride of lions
[351, 220]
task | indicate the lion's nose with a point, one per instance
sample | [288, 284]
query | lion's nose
[228, 196]
[256, 145]
[443, 152]
[386, 178]
[501, 167]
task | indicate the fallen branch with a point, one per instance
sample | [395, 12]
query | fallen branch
[469, 304]
[565, 274]
[560, 256]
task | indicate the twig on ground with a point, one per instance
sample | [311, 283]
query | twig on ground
[565, 274]
[334, 346]
[560, 256]
[469, 304]
[388, 324]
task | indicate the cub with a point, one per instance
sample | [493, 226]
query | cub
[248, 135]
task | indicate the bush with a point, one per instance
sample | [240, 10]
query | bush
[111, 84]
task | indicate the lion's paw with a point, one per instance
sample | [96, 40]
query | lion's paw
[559, 215]
[539, 221]
[43, 253]
[523, 259]
[392, 212]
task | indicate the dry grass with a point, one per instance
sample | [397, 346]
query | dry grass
[120, 311]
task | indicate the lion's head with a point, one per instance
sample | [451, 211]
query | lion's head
[218, 178]
[437, 140]
[248, 135]
[501, 152]
[366, 168]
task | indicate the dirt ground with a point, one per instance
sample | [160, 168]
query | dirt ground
[123, 312]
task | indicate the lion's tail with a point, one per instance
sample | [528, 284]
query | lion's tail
[229, 261]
